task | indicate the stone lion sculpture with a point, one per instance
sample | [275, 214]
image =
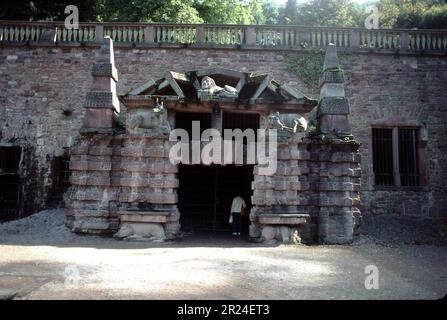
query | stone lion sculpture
[209, 87]
[291, 122]
[156, 118]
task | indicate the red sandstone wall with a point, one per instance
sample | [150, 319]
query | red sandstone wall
[35, 82]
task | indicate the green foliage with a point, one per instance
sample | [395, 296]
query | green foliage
[229, 11]
[435, 17]
[44, 10]
[170, 11]
[270, 12]
[357, 13]
[420, 14]
[331, 13]
[410, 15]
[313, 130]
[388, 13]
[289, 14]
[308, 66]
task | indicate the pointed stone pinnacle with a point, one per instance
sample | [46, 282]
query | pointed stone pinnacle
[331, 58]
[106, 51]
[105, 61]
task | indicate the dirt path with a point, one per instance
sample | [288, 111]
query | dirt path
[74, 267]
[221, 270]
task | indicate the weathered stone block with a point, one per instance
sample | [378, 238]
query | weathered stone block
[131, 230]
[143, 216]
[100, 150]
[335, 226]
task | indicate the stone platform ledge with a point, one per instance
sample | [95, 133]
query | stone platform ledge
[144, 216]
[99, 131]
[284, 218]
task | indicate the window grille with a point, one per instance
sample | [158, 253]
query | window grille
[383, 156]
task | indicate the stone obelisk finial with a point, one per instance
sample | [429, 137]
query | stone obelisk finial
[333, 108]
[101, 103]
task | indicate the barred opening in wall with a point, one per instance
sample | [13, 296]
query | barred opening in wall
[382, 143]
[408, 157]
[9, 182]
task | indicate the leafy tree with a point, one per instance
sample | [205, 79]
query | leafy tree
[42, 10]
[357, 13]
[172, 11]
[289, 14]
[270, 11]
[230, 11]
[388, 13]
[331, 13]
[435, 17]
[412, 14]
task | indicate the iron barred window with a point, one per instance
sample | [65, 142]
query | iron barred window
[408, 157]
[395, 156]
[383, 156]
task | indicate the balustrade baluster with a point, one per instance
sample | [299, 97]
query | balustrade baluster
[429, 42]
[433, 40]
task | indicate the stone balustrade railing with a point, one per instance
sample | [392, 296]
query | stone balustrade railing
[226, 36]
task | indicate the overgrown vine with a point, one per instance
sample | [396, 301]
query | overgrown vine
[308, 66]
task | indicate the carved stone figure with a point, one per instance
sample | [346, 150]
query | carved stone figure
[209, 87]
[291, 122]
[151, 119]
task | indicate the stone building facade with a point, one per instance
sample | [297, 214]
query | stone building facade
[126, 182]
[46, 86]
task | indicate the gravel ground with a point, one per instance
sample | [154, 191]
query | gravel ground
[398, 231]
[44, 227]
[41, 259]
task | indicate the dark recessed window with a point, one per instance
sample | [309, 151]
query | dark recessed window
[408, 157]
[382, 142]
[396, 156]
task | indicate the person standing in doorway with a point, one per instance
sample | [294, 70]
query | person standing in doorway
[238, 207]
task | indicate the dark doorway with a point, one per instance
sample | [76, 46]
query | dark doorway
[183, 120]
[241, 121]
[205, 194]
[9, 182]
[61, 179]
